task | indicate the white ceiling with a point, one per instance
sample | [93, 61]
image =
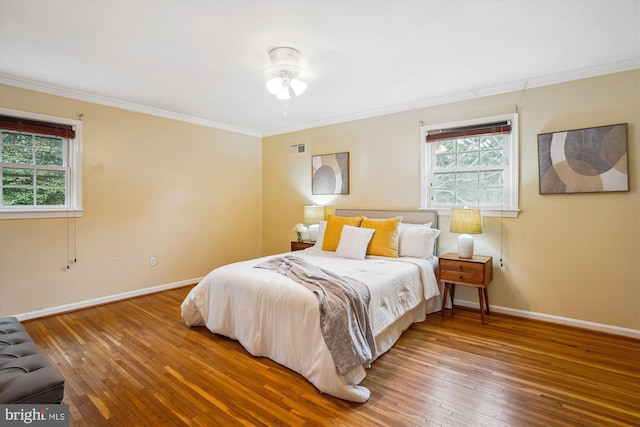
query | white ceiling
[203, 61]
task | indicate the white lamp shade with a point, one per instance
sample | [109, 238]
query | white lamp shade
[283, 92]
[274, 84]
[298, 86]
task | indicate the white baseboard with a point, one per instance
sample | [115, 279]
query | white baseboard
[632, 333]
[601, 327]
[104, 300]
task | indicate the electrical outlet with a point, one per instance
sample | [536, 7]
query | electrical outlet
[153, 261]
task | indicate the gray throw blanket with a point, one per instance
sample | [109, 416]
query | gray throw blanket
[344, 310]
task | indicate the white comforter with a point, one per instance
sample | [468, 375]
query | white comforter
[273, 316]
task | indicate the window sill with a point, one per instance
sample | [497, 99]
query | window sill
[498, 213]
[41, 214]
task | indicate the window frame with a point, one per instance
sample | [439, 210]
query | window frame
[73, 190]
[510, 205]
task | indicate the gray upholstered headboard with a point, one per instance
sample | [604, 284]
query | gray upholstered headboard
[410, 217]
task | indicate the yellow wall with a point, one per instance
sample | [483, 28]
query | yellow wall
[198, 197]
[575, 256]
[188, 194]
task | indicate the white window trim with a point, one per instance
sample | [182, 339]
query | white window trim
[74, 209]
[511, 205]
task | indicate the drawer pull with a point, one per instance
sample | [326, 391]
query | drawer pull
[460, 277]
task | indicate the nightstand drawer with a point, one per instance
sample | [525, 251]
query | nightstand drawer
[461, 266]
[462, 276]
[475, 271]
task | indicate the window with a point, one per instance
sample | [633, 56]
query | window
[472, 163]
[40, 165]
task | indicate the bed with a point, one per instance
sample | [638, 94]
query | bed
[273, 316]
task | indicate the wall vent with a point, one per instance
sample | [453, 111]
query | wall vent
[297, 149]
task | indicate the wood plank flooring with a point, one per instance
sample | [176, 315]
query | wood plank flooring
[135, 363]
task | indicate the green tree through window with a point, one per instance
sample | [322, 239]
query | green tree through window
[465, 171]
[471, 163]
[34, 169]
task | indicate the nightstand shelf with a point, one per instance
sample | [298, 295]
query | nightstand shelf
[298, 246]
[476, 272]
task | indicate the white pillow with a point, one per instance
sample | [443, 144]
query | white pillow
[417, 241]
[320, 237]
[354, 241]
[406, 224]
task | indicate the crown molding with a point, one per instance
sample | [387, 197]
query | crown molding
[116, 103]
[577, 74]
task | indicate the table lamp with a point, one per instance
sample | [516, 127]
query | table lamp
[467, 222]
[312, 217]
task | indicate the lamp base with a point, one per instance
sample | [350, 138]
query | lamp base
[313, 232]
[465, 246]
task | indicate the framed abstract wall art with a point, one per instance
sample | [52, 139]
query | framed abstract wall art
[330, 174]
[590, 160]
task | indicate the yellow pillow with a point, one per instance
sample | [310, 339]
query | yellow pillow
[334, 229]
[385, 239]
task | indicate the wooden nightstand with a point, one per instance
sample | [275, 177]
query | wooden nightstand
[476, 272]
[298, 246]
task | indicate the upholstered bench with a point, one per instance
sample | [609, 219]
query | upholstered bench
[26, 376]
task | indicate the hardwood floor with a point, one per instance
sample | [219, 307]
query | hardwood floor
[134, 362]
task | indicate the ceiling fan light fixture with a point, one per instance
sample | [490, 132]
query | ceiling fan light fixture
[285, 73]
[274, 84]
[283, 92]
[298, 86]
